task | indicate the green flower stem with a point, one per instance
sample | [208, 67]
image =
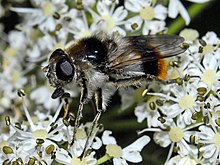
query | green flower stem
[193, 11]
[125, 125]
[103, 159]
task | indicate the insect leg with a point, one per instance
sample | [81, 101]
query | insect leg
[98, 99]
[178, 80]
[131, 80]
[137, 79]
[83, 100]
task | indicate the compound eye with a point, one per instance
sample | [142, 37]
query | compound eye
[64, 70]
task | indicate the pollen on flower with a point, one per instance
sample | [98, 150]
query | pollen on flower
[59, 45]
[110, 21]
[48, 9]
[209, 77]
[40, 134]
[3, 143]
[187, 101]
[85, 33]
[176, 73]
[78, 161]
[80, 134]
[176, 134]
[147, 13]
[5, 63]
[114, 150]
[189, 34]
[35, 34]
[10, 52]
[216, 140]
[15, 76]
[208, 49]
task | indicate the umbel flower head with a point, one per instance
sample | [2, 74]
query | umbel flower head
[181, 117]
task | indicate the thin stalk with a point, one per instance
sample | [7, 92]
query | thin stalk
[103, 159]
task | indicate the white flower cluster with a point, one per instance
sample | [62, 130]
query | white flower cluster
[186, 116]
[40, 142]
[183, 115]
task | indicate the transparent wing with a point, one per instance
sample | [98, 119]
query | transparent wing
[147, 48]
[166, 45]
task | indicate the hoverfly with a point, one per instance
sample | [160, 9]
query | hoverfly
[101, 63]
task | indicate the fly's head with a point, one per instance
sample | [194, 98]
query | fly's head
[59, 72]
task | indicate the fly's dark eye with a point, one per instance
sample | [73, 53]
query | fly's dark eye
[64, 70]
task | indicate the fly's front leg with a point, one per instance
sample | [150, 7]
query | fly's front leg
[83, 100]
[98, 101]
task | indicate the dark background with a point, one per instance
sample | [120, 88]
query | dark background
[208, 20]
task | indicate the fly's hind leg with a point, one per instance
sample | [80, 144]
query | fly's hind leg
[98, 99]
[137, 79]
[179, 80]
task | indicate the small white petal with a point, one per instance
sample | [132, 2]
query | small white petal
[97, 143]
[119, 161]
[34, 53]
[206, 133]
[154, 27]
[187, 116]
[107, 139]
[132, 6]
[132, 156]
[162, 138]
[90, 160]
[160, 12]
[184, 13]
[138, 145]
[28, 145]
[17, 39]
[102, 9]
[208, 150]
[24, 10]
[175, 7]
[180, 122]
[62, 156]
[173, 111]
[186, 149]
[49, 24]
[172, 9]
[211, 38]
[119, 14]
[41, 94]
[141, 113]
[132, 152]
[210, 62]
